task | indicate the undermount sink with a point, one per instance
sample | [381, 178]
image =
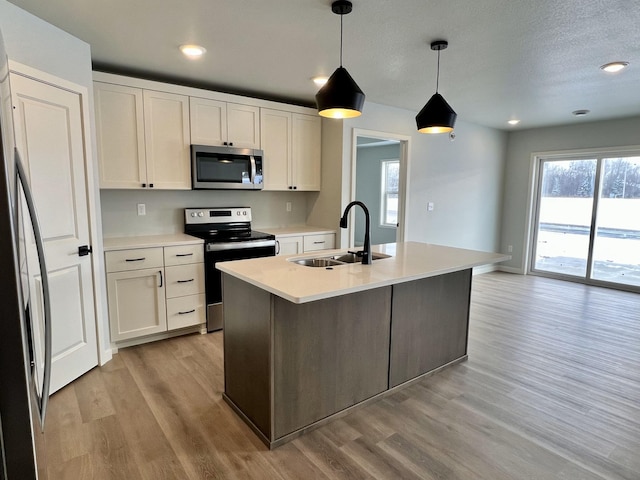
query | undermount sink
[317, 262]
[336, 260]
[353, 258]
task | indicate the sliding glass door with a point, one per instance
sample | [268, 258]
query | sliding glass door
[587, 224]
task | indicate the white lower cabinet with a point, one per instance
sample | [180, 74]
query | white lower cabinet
[292, 244]
[136, 303]
[155, 290]
[289, 245]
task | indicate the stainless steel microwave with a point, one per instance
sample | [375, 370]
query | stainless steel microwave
[226, 168]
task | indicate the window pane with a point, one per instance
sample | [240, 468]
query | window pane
[564, 217]
[392, 176]
[391, 215]
[389, 193]
[616, 251]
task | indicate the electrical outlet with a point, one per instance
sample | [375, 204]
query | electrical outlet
[509, 248]
[288, 206]
[430, 207]
[142, 209]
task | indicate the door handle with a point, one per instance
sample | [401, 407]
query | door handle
[161, 279]
[84, 250]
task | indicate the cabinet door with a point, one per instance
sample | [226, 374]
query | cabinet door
[306, 147]
[288, 245]
[120, 136]
[166, 122]
[136, 303]
[275, 132]
[243, 125]
[208, 121]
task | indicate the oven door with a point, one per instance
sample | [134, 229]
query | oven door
[224, 252]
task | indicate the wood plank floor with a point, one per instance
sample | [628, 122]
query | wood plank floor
[551, 390]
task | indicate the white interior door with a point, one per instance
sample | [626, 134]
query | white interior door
[50, 139]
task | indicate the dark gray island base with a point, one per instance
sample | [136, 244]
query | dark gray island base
[292, 367]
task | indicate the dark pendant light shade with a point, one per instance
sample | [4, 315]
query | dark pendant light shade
[340, 97]
[436, 116]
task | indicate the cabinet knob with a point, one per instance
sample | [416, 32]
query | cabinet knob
[144, 185]
[151, 185]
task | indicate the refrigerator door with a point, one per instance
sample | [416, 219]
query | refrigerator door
[22, 404]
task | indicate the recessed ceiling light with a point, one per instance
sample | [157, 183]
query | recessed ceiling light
[192, 51]
[513, 122]
[614, 67]
[320, 81]
[580, 113]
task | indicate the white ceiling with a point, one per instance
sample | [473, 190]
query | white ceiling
[535, 60]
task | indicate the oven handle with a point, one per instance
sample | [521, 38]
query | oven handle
[217, 247]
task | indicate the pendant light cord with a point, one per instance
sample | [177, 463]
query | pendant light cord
[341, 15]
[438, 72]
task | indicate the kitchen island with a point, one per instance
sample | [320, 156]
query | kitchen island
[303, 344]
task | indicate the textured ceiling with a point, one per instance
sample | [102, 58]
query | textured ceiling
[533, 60]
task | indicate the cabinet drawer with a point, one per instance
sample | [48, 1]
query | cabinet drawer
[319, 242]
[183, 254]
[185, 280]
[134, 259]
[185, 311]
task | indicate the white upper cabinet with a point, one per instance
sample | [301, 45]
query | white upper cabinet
[306, 144]
[275, 130]
[215, 122]
[291, 144]
[166, 133]
[145, 129]
[143, 138]
[120, 136]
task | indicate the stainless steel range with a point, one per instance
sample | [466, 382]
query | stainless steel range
[227, 236]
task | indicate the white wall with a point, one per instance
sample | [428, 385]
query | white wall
[463, 178]
[38, 44]
[33, 42]
[517, 181]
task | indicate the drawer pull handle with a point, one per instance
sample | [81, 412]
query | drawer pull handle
[135, 259]
[319, 243]
[183, 254]
[186, 281]
[186, 313]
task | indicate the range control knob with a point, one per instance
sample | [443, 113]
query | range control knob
[193, 214]
[244, 213]
[201, 214]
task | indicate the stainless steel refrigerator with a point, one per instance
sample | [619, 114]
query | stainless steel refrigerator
[24, 372]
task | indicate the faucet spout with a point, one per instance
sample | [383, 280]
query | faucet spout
[366, 251]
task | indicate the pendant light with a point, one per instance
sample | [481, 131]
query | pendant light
[340, 97]
[436, 116]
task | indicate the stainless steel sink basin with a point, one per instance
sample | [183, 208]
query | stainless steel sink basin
[318, 262]
[353, 258]
[336, 260]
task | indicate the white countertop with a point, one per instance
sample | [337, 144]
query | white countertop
[295, 230]
[409, 261]
[149, 241]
